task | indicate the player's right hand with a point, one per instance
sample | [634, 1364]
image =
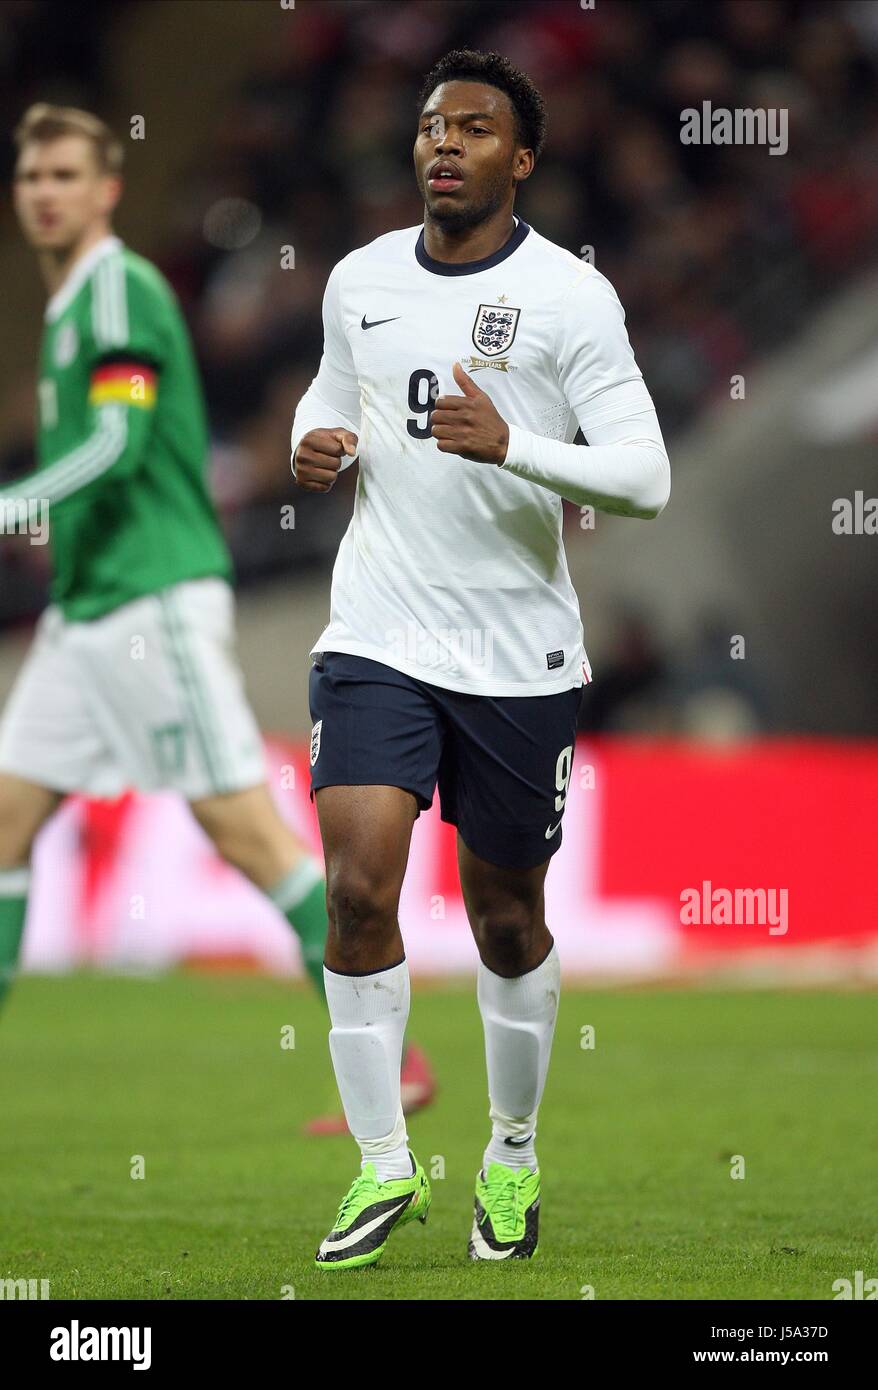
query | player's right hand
[318, 458]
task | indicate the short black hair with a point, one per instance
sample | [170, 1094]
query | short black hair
[471, 65]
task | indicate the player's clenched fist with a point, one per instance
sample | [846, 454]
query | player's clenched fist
[318, 458]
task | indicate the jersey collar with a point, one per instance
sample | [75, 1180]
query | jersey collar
[471, 267]
[82, 269]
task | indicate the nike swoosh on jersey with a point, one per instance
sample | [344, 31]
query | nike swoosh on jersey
[378, 322]
[354, 1236]
[551, 830]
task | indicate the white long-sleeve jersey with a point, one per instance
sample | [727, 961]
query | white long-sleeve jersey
[453, 571]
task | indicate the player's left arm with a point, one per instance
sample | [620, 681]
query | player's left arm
[125, 363]
[626, 469]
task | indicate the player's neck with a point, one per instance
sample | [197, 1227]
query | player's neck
[470, 244]
[55, 266]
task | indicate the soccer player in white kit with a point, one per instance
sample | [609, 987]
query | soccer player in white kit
[459, 359]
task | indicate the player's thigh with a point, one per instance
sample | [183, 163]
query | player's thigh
[366, 833]
[499, 894]
[506, 910]
[50, 734]
[505, 772]
[247, 829]
[172, 692]
[250, 811]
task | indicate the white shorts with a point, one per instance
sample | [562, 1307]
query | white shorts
[150, 696]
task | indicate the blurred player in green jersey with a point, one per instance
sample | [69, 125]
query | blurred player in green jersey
[132, 679]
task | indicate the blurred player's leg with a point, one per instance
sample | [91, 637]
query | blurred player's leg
[49, 745]
[249, 832]
[180, 719]
[24, 807]
[519, 982]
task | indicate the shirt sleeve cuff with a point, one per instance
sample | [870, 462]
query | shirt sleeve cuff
[517, 450]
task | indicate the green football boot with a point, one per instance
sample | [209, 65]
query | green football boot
[368, 1214]
[506, 1221]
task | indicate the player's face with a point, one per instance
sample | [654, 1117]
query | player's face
[470, 128]
[60, 192]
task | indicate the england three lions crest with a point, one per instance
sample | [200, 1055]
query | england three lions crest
[494, 328]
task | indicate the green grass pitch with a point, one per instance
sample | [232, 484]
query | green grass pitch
[637, 1142]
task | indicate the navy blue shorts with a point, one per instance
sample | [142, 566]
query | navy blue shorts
[502, 763]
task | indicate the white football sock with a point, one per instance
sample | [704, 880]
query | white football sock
[369, 1015]
[519, 1021]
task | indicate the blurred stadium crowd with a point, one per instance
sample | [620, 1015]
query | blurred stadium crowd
[717, 253]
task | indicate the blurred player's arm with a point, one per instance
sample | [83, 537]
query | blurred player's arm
[326, 424]
[123, 385]
[111, 449]
[626, 469]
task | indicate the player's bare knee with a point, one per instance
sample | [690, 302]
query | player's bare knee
[505, 936]
[360, 908]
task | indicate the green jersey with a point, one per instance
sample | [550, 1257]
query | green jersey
[122, 439]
